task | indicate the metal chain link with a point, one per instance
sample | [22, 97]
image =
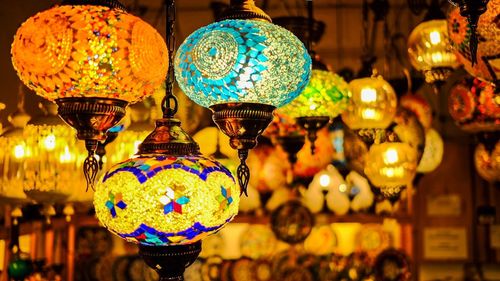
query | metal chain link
[169, 103]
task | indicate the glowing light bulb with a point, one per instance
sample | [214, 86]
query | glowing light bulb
[50, 142]
[19, 151]
[391, 156]
[437, 57]
[342, 187]
[66, 157]
[324, 180]
[368, 95]
[435, 37]
[368, 113]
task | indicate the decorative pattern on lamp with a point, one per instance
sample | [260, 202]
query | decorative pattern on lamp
[166, 200]
[242, 61]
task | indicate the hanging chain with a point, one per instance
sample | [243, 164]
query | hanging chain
[169, 103]
[366, 26]
[310, 22]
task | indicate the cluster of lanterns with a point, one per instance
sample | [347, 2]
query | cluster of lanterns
[93, 60]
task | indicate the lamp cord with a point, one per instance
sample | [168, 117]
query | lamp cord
[170, 104]
[310, 22]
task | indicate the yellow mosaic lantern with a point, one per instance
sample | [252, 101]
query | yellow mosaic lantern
[487, 162]
[372, 105]
[92, 60]
[391, 166]
[433, 152]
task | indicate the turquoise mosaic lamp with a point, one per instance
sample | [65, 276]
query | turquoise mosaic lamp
[242, 67]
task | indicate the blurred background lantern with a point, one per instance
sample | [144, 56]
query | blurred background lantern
[13, 154]
[292, 222]
[372, 105]
[433, 152]
[391, 166]
[53, 167]
[407, 128]
[127, 142]
[475, 106]
[461, 33]
[237, 68]
[429, 49]
[92, 60]
[487, 161]
[420, 107]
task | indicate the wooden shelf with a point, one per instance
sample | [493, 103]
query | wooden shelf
[330, 218]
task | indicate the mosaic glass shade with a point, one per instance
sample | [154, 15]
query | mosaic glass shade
[89, 51]
[420, 107]
[488, 162]
[391, 166]
[433, 152]
[429, 48]
[475, 106]
[488, 50]
[372, 105]
[327, 94]
[160, 200]
[242, 61]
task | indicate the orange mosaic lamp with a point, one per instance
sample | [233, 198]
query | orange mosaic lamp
[92, 58]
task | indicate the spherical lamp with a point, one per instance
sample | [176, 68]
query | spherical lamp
[92, 58]
[475, 106]
[487, 161]
[420, 107]
[429, 48]
[372, 105]
[242, 68]
[433, 152]
[391, 166]
[463, 34]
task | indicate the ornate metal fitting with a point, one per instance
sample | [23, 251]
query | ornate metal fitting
[244, 9]
[377, 136]
[292, 145]
[242, 123]
[169, 138]
[170, 261]
[437, 75]
[312, 125]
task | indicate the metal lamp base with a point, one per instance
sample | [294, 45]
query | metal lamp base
[170, 261]
[291, 145]
[92, 118]
[242, 123]
[312, 125]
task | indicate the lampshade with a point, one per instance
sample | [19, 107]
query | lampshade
[430, 52]
[89, 51]
[433, 152]
[12, 158]
[390, 166]
[372, 105]
[420, 107]
[53, 167]
[407, 128]
[475, 106]
[487, 162]
[242, 61]
[327, 94]
[488, 47]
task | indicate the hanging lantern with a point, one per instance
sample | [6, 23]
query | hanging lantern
[53, 167]
[292, 222]
[420, 107]
[92, 58]
[433, 152]
[463, 35]
[372, 105]
[406, 128]
[391, 166]
[429, 49]
[12, 155]
[475, 106]
[242, 68]
[487, 161]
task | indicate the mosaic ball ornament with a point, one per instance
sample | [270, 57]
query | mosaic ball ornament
[391, 165]
[420, 107]
[433, 152]
[89, 51]
[487, 67]
[488, 162]
[242, 61]
[429, 49]
[166, 200]
[292, 222]
[327, 94]
[373, 104]
[475, 106]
